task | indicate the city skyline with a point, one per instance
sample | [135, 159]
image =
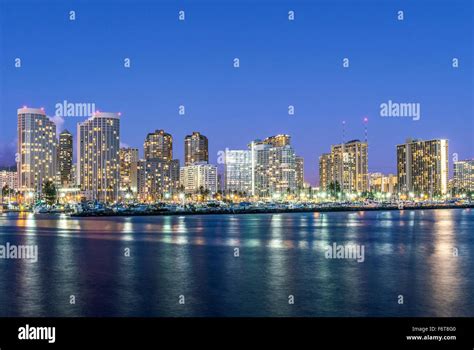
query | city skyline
[158, 146]
[278, 68]
[267, 169]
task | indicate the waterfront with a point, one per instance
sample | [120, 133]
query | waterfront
[407, 253]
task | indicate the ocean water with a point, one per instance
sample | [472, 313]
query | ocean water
[415, 263]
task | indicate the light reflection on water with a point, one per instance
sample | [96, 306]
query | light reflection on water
[407, 253]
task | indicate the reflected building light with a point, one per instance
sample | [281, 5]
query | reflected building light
[233, 242]
[253, 243]
[127, 227]
[303, 245]
[199, 241]
[127, 237]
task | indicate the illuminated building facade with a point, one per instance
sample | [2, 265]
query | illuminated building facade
[238, 171]
[37, 150]
[65, 151]
[422, 167]
[382, 183]
[10, 179]
[299, 161]
[195, 149]
[325, 175]
[273, 168]
[278, 140]
[128, 171]
[157, 179]
[99, 157]
[159, 145]
[463, 180]
[349, 166]
[199, 178]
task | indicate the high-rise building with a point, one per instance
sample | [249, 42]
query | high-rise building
[422, 167]
[238, 171]
[282, 166]
[98, 145]
[160, 170]
[259, 154]
[37, 150]
[141, 181]
[278, 140]
[159, 145]
[195, 149]
[65, 159]
[463, 180]
[199, 178]
[346, 167]
[325, 174]
[273, 169]
[128, 170]
[299, 161]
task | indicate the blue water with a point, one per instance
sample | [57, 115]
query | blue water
[408, 254]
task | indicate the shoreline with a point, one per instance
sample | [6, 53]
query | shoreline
[272, 211]
[252, 211]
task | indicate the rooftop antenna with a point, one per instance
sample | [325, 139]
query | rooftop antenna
[343, 131]
[366, 120]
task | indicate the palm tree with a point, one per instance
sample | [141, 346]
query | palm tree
[49, 192]
[5, 191]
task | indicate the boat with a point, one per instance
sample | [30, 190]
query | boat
[41, 209]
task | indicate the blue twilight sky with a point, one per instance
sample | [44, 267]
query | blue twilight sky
[282, 63]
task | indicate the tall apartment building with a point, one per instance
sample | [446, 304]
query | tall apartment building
[37, 150]
[346, 165]
[98, 166]
[325, 174]
[463, 180]
[195, 149]
[422, 167]
[273, 169]
[65, 153]
[141, 181]
[159, 145]
[238, 171]
[299, 161]
[160, 176]
[128, 170]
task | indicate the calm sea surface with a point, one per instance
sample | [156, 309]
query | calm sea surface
[191, 259]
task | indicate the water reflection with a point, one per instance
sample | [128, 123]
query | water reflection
[406, 252]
